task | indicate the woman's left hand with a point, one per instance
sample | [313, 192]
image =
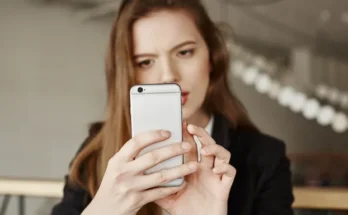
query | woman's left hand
[207, 190]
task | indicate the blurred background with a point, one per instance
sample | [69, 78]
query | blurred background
[289, 67]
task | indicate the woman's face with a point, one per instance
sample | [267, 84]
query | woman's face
[168, 48]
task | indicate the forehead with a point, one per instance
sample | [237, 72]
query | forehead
[163, 30]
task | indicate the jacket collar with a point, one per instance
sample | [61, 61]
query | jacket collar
[225, 135]
[222, 131]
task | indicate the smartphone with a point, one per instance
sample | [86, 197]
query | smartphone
[158, 106]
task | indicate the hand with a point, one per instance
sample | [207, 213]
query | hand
[125, 189]
[205, 192]
[216, 158]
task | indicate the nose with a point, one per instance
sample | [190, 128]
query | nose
[169, 73]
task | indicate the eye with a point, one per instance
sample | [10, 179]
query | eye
[144, 64]
[186, 53]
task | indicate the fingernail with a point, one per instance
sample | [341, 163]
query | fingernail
[186, 145]
[192, 166]
[191, 127]
[165, 133]
[215, 170]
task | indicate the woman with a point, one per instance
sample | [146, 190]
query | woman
[241, 171]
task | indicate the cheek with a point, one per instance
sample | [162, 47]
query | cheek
[197, 71]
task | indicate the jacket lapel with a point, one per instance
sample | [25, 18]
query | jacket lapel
[231, 139]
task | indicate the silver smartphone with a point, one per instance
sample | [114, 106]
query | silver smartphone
[158, 106]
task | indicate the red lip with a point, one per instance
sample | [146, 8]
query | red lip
[184, 97]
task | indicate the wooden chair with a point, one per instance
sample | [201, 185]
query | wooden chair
[324, 179]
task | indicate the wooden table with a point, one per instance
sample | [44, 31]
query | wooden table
[305, 197]
[321, 198]
[23, 187]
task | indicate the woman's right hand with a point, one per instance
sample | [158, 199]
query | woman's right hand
[125, 189]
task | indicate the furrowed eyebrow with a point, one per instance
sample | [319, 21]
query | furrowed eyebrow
[189, 42]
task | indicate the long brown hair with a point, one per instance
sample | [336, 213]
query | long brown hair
[93, 158]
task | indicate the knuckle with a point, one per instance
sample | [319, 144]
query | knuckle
[161, 177]
[153, 157]
[121, 176]
[177, 149]
[212, 148]
[233, 170]
[228, 155]
[123, 189]
[113, 160]
[134, 200]
[186, 169]
[164, 192]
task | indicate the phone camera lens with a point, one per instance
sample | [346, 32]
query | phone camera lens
[140, 89]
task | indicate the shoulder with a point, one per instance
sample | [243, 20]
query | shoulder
[76, 197]
[260, 141]
[93, 129]
[264, 158]
[262, 149]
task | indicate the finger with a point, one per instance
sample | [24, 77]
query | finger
[159, 193]
[205, 139]
[152, 158]
[229, 175]
[132, 148]
[218, 151]
[226, 169]
[193, 155]
[165, 176]
[201, 134]
[222, 156]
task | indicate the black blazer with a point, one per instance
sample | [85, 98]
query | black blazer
[262, 185]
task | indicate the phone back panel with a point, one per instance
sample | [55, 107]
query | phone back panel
[158, 107]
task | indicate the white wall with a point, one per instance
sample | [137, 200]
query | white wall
[52, 85]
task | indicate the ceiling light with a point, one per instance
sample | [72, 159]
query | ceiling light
[343, 100]
[340, 123]
[322, 91]
[334, 95]
[311, 109]
[325, 115]
[263, 83]
[250, 75]
[260, 61]
[286, 96]
[298, 102]
[237, 68]
[274, 90]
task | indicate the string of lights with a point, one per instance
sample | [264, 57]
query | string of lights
[254, 71]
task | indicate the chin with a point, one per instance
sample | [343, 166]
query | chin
[187, 113]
